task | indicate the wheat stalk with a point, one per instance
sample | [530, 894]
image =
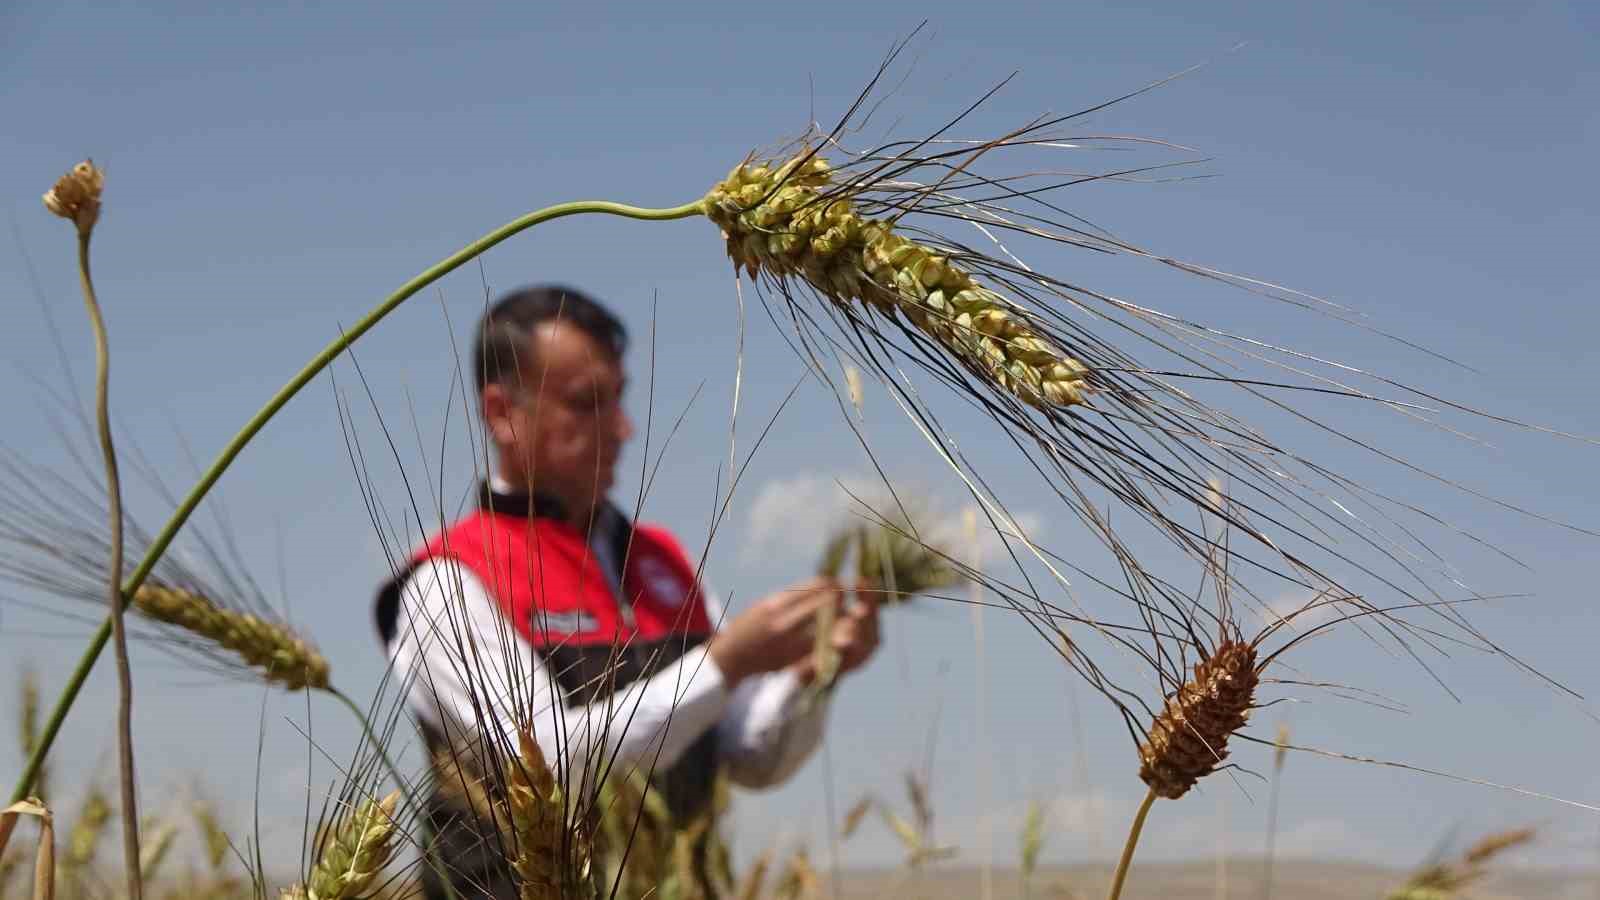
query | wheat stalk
[44, 860]
[76, 197]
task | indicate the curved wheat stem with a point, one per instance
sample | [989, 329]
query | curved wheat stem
[258, 421]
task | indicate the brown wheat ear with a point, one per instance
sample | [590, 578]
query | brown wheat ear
[1190, 738]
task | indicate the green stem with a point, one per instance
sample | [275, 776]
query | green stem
[259, 420]
[108, 451]
[1133, 841]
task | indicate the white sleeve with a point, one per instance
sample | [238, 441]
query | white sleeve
[765, 735]
[463, 664]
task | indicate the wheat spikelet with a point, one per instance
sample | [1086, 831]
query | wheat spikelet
[1444, 880]
[84, 838]
[799, 879]
[216, 838]
[1189, 739]
[538, 819]
[280, 654]
[1495, 844]
[28, 731]
[359, 847]
[154, 853]
[857, 813]
[655, 854]
[756, 877]
[776, 217]
[1032, 839]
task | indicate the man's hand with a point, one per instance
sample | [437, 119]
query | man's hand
[776, 632]
[854, 639]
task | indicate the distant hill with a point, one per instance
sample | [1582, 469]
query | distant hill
[1294, 880]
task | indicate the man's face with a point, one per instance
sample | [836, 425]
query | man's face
[563, 431]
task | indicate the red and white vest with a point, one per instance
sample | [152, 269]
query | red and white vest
[549, 585]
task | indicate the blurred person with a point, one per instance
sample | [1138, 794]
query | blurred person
[546, 607]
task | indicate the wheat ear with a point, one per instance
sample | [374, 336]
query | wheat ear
[357, 851]
[779, 218]
[1189, 738]
[538, 818]
[280, 654]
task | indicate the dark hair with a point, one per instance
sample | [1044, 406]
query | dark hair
[501, 349]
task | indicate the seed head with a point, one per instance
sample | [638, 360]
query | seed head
[1497, 843]
[86, 832]
[360, 847]
[281, 654]
[778, 218]
[76, 196]
[1190, 738]
[539, 820]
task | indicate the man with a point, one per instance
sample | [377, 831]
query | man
[546, 609]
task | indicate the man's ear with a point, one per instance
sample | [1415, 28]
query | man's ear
[498, 404]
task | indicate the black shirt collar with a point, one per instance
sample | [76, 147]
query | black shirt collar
[520, 504]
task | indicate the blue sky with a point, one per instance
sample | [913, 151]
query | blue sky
[271, 175]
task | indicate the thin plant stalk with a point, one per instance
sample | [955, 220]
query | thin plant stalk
[108, 450]
[258, 421]
[1272, 810]
[1221, 885]
[1133, 842]
[986, 878]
